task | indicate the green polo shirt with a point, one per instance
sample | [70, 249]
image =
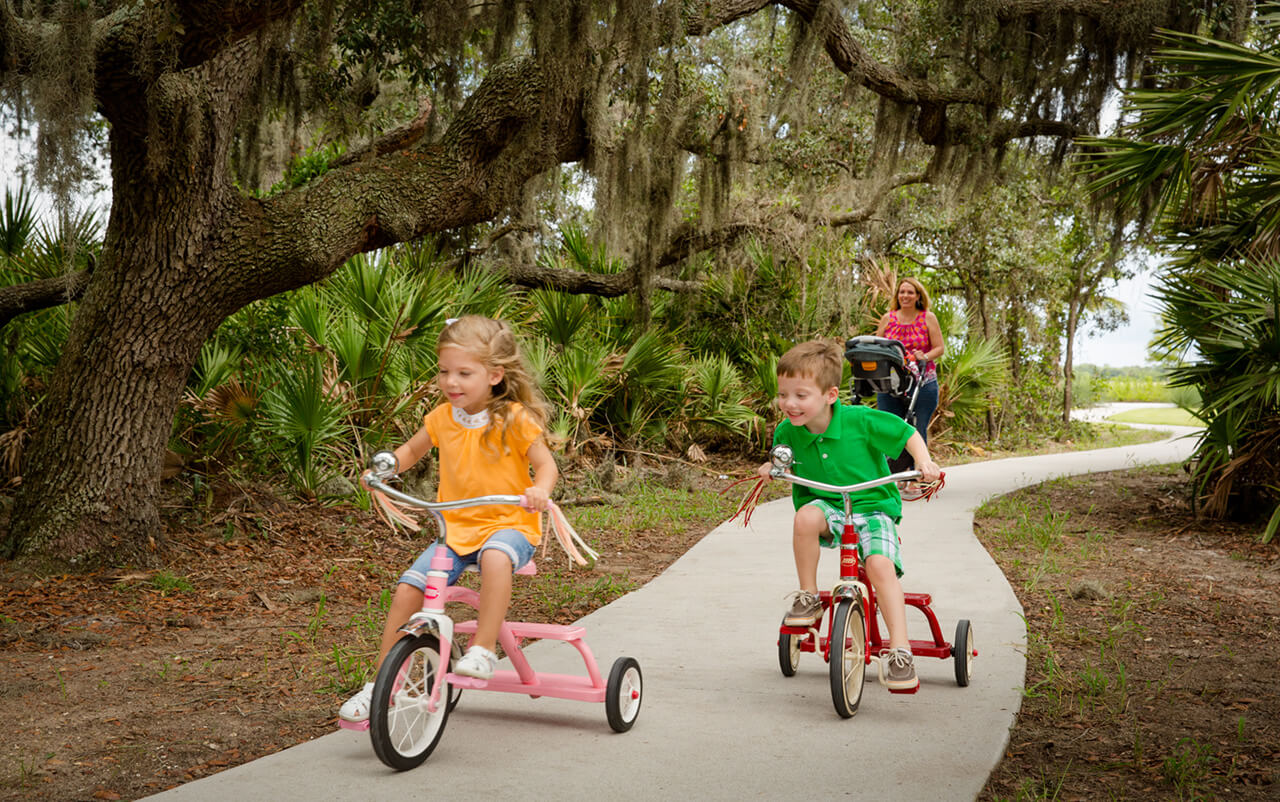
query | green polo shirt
[852, 449]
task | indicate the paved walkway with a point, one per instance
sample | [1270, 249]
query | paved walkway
[718, 720]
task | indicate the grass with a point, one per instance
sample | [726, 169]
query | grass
[1089, 436]
[1188, 767]
[166, 582]
[1159, 416]
[1086, 675]
[651, 506]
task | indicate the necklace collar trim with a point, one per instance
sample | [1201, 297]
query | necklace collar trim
[469, 421]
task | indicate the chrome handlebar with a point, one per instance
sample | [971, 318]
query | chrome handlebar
[782, 458]
[383, 467]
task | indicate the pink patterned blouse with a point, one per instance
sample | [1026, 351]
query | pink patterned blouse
[915, 336]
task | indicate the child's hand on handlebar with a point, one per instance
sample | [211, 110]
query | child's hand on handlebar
[929, 470]
[536, 499]
[763, 471]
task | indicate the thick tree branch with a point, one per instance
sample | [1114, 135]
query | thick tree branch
[604, 285]
[405, 136]
[690, 239]
[513, 127]
[206, 27]
[1003, 133]
[864, 213]
[42, 294]
[846, 53]
[848, 56]
[685, 242]
[1094, 9]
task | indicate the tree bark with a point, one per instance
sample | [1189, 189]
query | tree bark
[19, 299]
[184, 249]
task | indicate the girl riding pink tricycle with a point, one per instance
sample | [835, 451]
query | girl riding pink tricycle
[489, 434]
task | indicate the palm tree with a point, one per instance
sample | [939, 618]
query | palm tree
[1200, 158]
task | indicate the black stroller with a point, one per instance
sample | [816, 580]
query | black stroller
[880, 365]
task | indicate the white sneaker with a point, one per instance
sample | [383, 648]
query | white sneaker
[356, 709]
[478, 662]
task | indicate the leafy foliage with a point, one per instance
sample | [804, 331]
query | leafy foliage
[1201, 149]
[1227, 322]
[33, 249]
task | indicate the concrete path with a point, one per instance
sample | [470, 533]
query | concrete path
[1101, 412]
[718, 720]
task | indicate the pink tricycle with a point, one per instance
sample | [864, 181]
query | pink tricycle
[412, 697]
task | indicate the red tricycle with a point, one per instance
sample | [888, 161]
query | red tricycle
[853, 638]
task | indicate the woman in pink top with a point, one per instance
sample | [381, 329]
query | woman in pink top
[910, 322]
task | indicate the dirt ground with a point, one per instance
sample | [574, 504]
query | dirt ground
[1152, 645]
[121, 685]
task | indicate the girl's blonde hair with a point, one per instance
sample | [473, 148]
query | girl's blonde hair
[493, 344]
[922, 295]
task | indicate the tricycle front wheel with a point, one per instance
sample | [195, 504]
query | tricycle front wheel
[404, 732]
[622, 695]
[848, 657]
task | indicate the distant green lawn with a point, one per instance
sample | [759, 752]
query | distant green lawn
[1160, 416]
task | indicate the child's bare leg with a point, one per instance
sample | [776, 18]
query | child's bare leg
[809, 525]
[495, 596]
[406, 601]
[889, 598]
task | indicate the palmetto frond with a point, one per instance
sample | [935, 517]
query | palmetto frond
[1200, 146]
[216, 364]
[18, 220]
[559, 316]
[969, 376]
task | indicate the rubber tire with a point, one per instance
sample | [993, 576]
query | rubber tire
[962, 651]
[848, 667]
[623, 694]
[788, 653]
[405, 735]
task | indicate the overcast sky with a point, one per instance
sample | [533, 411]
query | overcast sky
[1126, 347]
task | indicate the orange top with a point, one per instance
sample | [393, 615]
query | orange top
[472, 464]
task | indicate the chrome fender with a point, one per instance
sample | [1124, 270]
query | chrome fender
[427, 622]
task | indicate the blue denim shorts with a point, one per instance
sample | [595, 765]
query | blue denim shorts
[511, 542]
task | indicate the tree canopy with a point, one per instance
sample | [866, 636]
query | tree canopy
[693, 125]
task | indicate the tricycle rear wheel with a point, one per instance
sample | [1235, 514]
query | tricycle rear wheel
[962, 652]
[622, 695]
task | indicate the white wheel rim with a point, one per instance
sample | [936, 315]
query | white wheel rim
[410, 726]
[629, 694]
[853, 665]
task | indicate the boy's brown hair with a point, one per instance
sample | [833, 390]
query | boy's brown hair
[816, 359]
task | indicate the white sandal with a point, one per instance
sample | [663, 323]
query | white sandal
[356, 709]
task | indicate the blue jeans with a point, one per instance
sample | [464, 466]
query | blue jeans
[511, 542]
[926, 403]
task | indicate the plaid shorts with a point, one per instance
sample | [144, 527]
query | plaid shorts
[876, 532]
